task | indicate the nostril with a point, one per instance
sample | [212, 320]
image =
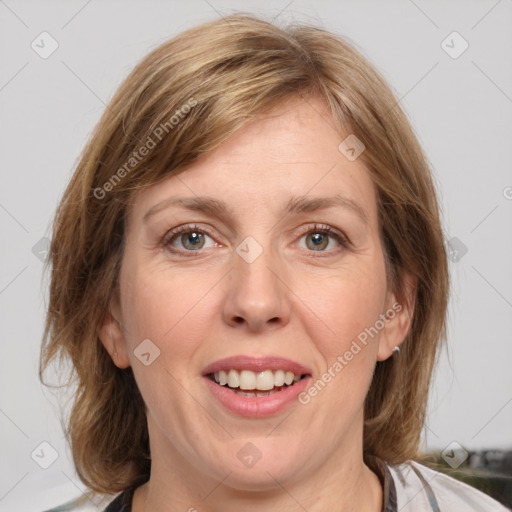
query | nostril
[241, 320]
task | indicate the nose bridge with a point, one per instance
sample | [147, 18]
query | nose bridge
[257, 295]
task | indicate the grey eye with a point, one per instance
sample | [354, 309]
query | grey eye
[319, 241]
[195, 239]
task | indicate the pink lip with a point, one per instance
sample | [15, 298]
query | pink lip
[256, 364]
[258, 406]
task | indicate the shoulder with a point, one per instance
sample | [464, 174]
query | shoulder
[84, 503]
[419, 488]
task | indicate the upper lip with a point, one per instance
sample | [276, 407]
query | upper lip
[256, 364]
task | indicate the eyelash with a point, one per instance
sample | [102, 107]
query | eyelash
[188, 228]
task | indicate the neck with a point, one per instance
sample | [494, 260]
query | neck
[342, 483]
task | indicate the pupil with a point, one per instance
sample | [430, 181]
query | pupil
[319, 241]
[193, 239]
[317, 238]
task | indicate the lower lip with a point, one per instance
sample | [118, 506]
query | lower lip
[257, 406]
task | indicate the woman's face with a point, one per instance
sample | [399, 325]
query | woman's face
[255, 291]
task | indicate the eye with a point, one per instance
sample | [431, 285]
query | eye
[320, 237]
[187, 239]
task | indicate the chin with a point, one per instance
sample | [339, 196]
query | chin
[262, 479]
[262, 464]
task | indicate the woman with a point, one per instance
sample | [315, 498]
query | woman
[249, 277]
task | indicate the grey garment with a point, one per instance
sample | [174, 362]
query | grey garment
[83, 504]
[421, 489]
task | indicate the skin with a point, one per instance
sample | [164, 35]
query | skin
[293, 301]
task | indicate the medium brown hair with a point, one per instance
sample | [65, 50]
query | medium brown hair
[195, 91]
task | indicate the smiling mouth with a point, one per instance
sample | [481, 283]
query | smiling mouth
[254, 384]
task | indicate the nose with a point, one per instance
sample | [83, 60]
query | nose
[257, 297]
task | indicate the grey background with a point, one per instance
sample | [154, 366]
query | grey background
[461, 109]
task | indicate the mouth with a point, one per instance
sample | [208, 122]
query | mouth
[255, 384]
[256, 387]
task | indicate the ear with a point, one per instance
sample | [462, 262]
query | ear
[111, 334]
[399, 314]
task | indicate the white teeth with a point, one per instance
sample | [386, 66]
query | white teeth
[233, 379]
[265, 380]
[241, 393]
[254, 393]
[279, 378]
[247, 380]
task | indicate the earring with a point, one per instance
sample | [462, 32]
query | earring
[396, 350]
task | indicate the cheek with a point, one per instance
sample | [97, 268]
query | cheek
[344, 305]
[168, 307]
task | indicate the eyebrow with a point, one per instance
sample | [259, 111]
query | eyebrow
[299, 204]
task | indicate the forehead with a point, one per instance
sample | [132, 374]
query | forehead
[291, 152]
